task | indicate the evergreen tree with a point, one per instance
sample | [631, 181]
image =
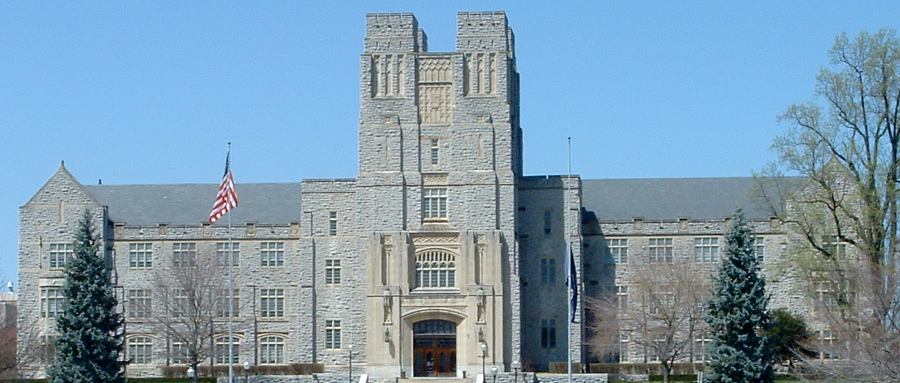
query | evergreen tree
[737, 314]
[90, 341]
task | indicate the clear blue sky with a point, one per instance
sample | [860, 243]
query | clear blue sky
[147, 92]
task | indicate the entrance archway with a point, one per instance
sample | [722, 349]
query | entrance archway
[434, 348]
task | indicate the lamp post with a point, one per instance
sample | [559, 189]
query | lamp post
[494, 373]
[516, 366]
[483, 357]
[350, 358]
[191, 373]
[246, 372]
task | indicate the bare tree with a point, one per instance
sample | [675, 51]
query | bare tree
[845, 146]
[191, 294]
[660, 312]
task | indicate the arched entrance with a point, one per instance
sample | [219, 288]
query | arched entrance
[434, 348]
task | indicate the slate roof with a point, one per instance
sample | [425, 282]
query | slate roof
[279, 203]
[670, 198]
[190, 204]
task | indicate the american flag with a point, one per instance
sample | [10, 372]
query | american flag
[226, 199]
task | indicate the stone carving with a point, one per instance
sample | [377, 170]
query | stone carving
[434, 178]
[435, 103]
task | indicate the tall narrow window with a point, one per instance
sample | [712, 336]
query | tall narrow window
[60, 253]
[140, 303]
[759, 246]
[271, 254]
[332, 272]
[548, 333]
[271, 350]
[140, 255]
[434, 201]
[223, 251]
[624, 347]
[706, 249]
[618, 249]
[548, 271]
[622, 297]
[435, 150]
[184, 254]
[332, 223]
[548, 221]
[660, 250]
[333, 334]
[271, 303]
[834, 247]
[180, 303]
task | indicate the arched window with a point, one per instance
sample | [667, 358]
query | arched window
[435, 269]
[221, 351]
[271, 350]
[140, 350]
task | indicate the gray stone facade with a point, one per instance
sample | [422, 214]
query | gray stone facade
[440, 247]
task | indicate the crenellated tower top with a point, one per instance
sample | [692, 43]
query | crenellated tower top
[394, 33]
[483, 31]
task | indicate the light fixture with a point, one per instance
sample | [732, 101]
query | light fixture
[481, 335]
[387, 335]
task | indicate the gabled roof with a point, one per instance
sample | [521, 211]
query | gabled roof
[671, 198]
[190, 204]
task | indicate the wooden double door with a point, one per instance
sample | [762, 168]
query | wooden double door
[434, 348]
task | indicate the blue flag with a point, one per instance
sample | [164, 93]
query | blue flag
[572, 282]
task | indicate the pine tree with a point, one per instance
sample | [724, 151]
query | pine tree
[737, 315]
[90, 341]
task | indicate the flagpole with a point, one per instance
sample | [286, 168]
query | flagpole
[569, 254]
[230, 290]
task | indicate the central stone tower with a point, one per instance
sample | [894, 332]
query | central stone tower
[439, 161]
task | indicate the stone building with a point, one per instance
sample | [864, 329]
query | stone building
[441, 258]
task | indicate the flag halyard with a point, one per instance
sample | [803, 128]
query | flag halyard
[226, 198]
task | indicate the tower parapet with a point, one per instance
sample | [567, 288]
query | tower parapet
[483, 31]
[394, 33]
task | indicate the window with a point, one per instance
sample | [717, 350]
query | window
[221, 351]
[701, 345]
[271, 303]
[435, 269]
[624, 347]
[831, 295]
[434, 201]
[834, 247]
[271, 254]
[332, 223]
[222, 302]
[829, 350]
[660, 250]
[60, 253]
[51, 302]
[180, 303]
[332, 334]
[434, 151]
[548, 333]
[184, 254]
[622, 297]
[140, 350]
[140, 303]
[618, 249]
[179, 353]
[759, 247]
[661, 300]
[706, 249]
[140, 255]
[223, 249]
[548, 271]
[271, 350]
[332, 272]
[548, 221]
